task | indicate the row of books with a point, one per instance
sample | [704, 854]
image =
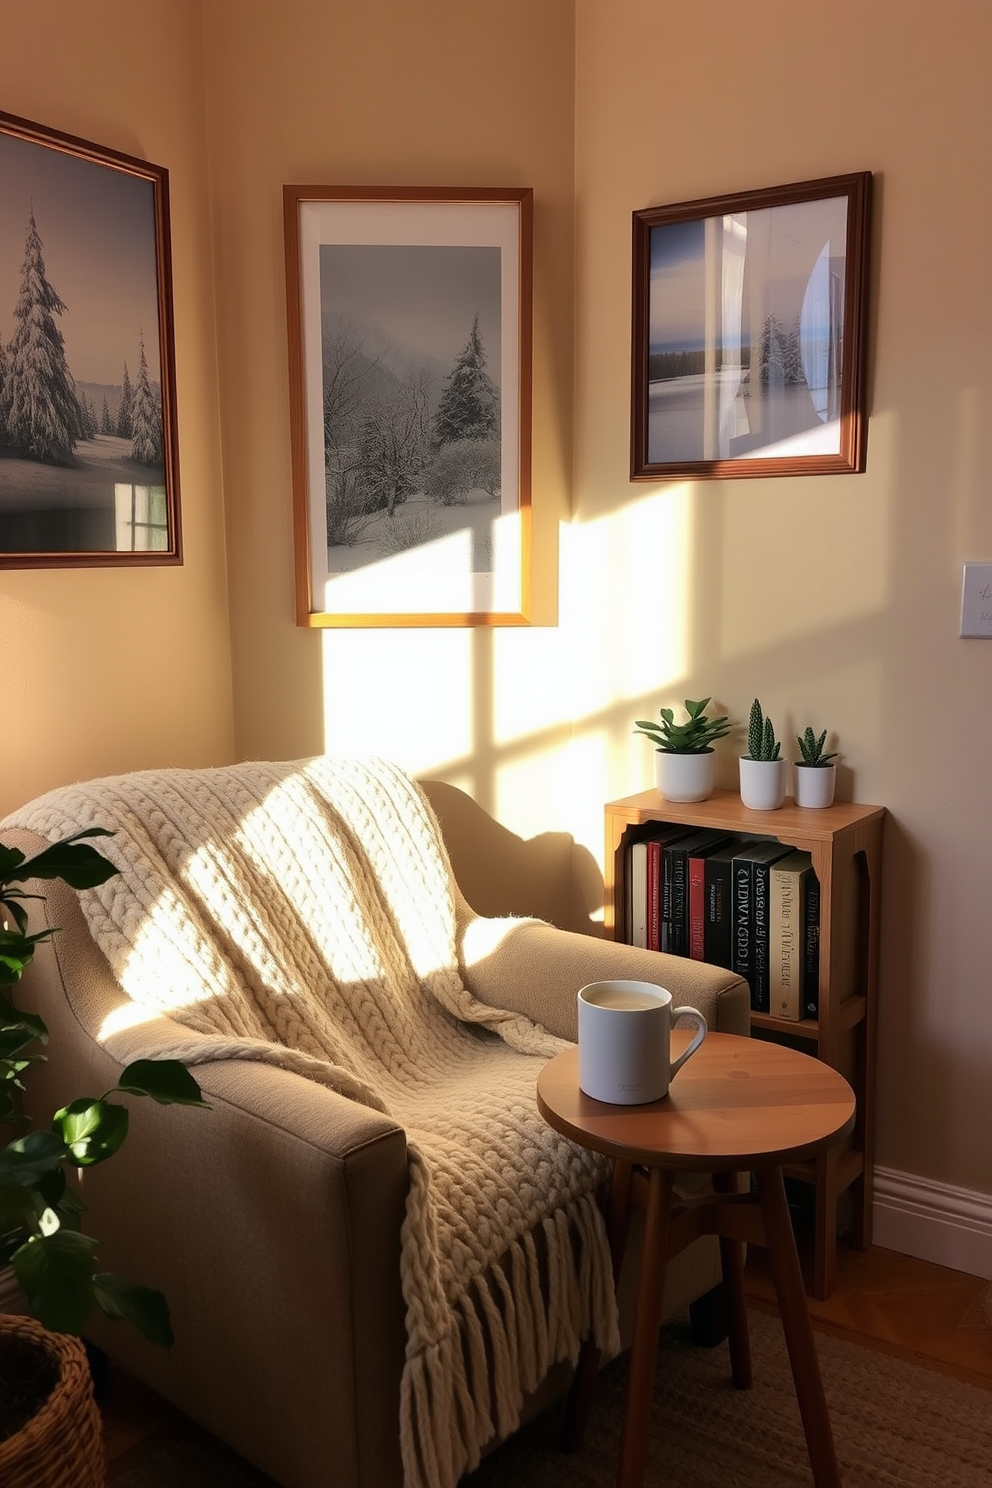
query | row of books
[750, 904]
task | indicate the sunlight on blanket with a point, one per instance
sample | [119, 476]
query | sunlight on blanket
[483, 937]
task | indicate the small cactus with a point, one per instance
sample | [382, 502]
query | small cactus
[761, 741]
[811, 748]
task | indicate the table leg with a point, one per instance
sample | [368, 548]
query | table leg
[584, 1379]
[791, 1294]
[732, 1266]
[647, 1322]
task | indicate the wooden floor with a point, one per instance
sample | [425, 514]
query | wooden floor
[938, 1318]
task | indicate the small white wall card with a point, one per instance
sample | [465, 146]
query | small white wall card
[976, 601]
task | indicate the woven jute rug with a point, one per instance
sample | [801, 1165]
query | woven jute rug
[895, 1426]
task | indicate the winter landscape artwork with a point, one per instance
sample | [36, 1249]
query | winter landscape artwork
[749, 333]
[88, 469]
[409, 336]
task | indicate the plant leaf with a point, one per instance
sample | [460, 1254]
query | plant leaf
[56, 1274]
[167, 1081]
[22, 1206]
[25, 1160]
[71, 859]
[17, 911]
[143, 1307]
[14, 1017]
[92, 1130]
[10, 857]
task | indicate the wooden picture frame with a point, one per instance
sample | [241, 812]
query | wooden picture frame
[89, 460]
[749, 333]
[409, 318]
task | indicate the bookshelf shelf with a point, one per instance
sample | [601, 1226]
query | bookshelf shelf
[845, 844]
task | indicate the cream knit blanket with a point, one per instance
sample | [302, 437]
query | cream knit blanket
[303, 913]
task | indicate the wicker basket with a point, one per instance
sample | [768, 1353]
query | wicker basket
[61, 1446]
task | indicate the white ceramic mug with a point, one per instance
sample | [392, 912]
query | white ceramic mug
[625, 1041]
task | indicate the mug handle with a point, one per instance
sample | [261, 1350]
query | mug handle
[700, 1034]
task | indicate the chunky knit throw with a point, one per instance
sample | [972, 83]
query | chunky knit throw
[303, 913]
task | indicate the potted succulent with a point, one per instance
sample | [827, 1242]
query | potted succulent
[41, 1239]
[763, 771]
[684, 760]
[816, 773]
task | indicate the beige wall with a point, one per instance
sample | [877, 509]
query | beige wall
[115, 669]
[835, 599]
[434, 94]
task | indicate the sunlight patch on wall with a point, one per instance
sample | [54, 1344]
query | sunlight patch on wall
[532, 683]
[405, 695]
[803, 556]
[592, 755]
[625, 600]
[535, 787]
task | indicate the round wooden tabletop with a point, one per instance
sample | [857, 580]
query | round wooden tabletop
[737, 1103]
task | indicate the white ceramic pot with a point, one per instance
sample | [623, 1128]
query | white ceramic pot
[685, 777]
[815, 784]
[763, 783]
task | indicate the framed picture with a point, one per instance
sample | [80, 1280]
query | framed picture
[89, 469]
[748, 342]
[409, 348]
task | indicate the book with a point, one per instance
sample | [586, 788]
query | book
[786, 933]
[697, 901]
[741, 956]
[637, 881]
[717, 905]
[811, 948]
[749, 914]
[638, 912]
[762, 858]
[675, 897]
[656, 871]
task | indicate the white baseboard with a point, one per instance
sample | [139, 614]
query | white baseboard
[933, 1221]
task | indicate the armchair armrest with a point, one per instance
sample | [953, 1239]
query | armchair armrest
[271, 1222]
[536, 969]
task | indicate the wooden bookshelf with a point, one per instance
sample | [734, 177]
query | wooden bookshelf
[845, 844]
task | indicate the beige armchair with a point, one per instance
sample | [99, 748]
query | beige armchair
[273, 1222]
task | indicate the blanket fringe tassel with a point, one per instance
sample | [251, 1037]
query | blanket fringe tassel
[512, 1325]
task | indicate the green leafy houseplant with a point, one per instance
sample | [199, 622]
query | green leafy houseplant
[761, 741]
[811, 749]
[40, 1233]
[696, 736]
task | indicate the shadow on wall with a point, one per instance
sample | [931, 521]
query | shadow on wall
[548, 877]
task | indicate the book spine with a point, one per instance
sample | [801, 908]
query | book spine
[679, 921]
[654, 874]
[697, 908]
[666, 899]
[786, 961]
[717, 927]
[761, 882]
[811, 948]
[742, 960]
[638, 894]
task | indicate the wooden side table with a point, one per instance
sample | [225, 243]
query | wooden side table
[739, 1105]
